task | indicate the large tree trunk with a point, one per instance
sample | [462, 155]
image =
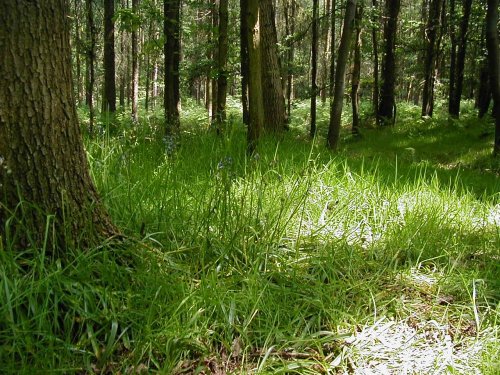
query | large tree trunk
[314, 66]
[171, 28]
[44, 169]
[356, 71]
[222, 64]
[342, 55]
[91, 57]
[386, 110]
[494, 65]
[433, 25]
[256, 109]
[274, 100]
[458, 79]
[109, 100]
[135, 63]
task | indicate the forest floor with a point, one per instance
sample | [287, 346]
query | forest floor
[381, 258]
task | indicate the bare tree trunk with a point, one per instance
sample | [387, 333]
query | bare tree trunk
[273, 97]
[44, 171]
[342, 55]
[376, 85]
[494, 65]
[171, 28]
[245, 70]
[332, 49]
[314, 67]
[222, 64]
[289, 13]
[387, 103]
[256, 108]
[91, 57]
[458, 79]
[109, 100]
[433, 25]
[356, 71]
[135, 64]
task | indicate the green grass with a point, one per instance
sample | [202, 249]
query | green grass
[266, 263]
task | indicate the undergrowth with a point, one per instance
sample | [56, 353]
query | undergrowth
[264, 263]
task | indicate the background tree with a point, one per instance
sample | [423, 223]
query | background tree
[314, 66]
[222, 63]
[356, 70]
[387, 105]
[91, 58]
[457, 73]
[135, 60]
[273, 97]
[44, 167]
[109, 102]
[171, 29]
[342, 56]
[494, 65]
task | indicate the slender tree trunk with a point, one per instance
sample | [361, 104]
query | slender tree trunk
[135, 63]
[342, 56]
[245, 70]
[433, 25]
[222, 64]
[44, 171]
[109, 100]
[356, 71]
[91, 57]
[376, 85]
[387, 103]
[314, 66]
[326, 51]
[215, 29]
[289, 13]
[172, 55]
[256, 108]
[332, 49]
[494, 65]
[484, 95]
[273, 97]
[454, 104]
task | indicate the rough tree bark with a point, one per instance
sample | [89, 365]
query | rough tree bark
[314, 66]
[244, 60]
[44, 168]
[458, 79]
[91, 57]
[433, 25]
[273, 98]
[256, 109]
[376, 88]
[135, 63]
[356, 71]
[494, 65]
[171, 29]
[342, 55]
[109, 100]
[386, 109]
[222, 65]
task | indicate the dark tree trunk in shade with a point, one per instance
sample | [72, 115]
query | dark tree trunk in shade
[376, 86]
[91, 58]
[431, 33]
[244, 60]
[458, 71]
[332, 49]
[135, 63]
[342, 56]
[273, 97]
[222, 64]
[314, 66]
[256, 108]
[387, 105]
[44, 169]
[494, 66]
[109, 100]
[484, 94]
[171, 95]
[356, 71]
